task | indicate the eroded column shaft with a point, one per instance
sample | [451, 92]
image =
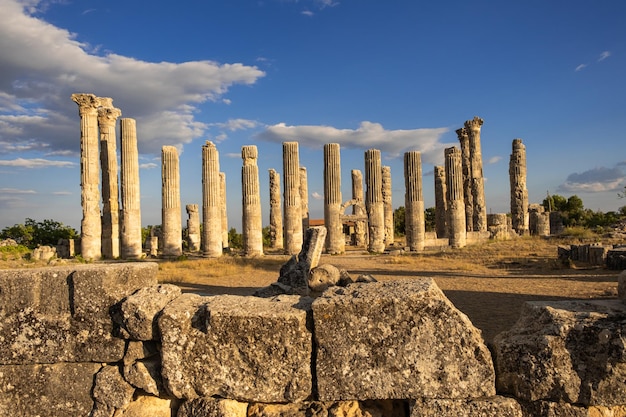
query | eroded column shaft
[193, 227]
[478, 182]
[466, 165]
[387, 204]
[211, 202]
[292, 229]
[276, 214]
[251, 201]
[171, 208]
[457, 233]
[414, 201]
[224, 210]
[304, 199]
[374, 200]
[519, 192]
[360, 229]
[441, 205]
[130, 191]
[335, 241]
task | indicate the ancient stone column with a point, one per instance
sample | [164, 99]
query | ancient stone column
[171, 224]
[360, 229]
[292, 230]
[519, 192]
[335, 240]
[304, 199]
[414, 201]
[374, 201]
[387, 205]
[276, 215]
[129, 191]
[251, 201]
[107, 118]
[478, 183]
[457, 233]
[538, 221]
[224, 210]
[211, 202]
[466, 164]
[441, 206]
[193, 227]
[90, 226]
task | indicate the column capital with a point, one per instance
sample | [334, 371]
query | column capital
[87, 103]
[462, 134]
[107, 116]
[474, 124]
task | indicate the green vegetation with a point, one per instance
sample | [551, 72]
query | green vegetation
[399, 226]
[575, 216]
[33, 233]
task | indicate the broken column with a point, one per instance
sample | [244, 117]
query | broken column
[224, 210]
[193, 227]
[90, 226]
[519, 192]
[171, 211]
[335, 241]
[211, 202]
[441, 206]
[107, 119]
[387, 205]
[292, 230]
[304, 199]
[251, 202]
[129, 191]
[538, 220]
[374, 201]
[457, 234]
[478, 183]
[414, 201]
[466, 165]
[276, 215]
[358, 208]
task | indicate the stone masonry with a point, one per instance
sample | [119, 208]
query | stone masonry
[466, 164]
[374, 201]
[335, 241]
[276, 215]
[519, 192]
[211, 201]
[193, 227]
[478, 185]
[414, 201]
[387, 204]
[251, 201]
[130, 232]
[441, 205]
[360, 227]
[292, 230]
[457, 233]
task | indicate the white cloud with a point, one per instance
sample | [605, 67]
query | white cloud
[594, 180]
[36, 163]
[62, 193]
[367, 136]
[16, 191]
[232, 155]
[494, 159]
[580, 67]
[317, 196]
[42, 65]
[148, 165]
[604, 55]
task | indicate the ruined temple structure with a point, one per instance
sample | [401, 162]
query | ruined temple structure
[304, 198]
[538, 220]
[171, 242]
[130, 213]
[374, 201]
[212, 240]
[519, 193]
[414, 201]
[335, 241]
[224, 211]
[360, 226]
[479, 214]
[441, 206]
[193, 228]
[466, 166]
[457, 233]
[276, 214]
[292, 229]
[387, 204]
[251, 201]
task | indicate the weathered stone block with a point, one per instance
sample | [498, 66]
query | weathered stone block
[213, 407]
[111, 389]
[382, 408]
[485, 407]
[62, 389]
[616, 259]
[324, 276]
[243, 348]
[148, 406]
[621, 285]
[401, 340]
[570, 351]
[561, 409]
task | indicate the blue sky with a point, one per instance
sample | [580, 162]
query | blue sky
[392, 75]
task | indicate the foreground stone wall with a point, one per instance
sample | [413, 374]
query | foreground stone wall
[107, 340]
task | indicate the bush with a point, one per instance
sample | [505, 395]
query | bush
[32, 233]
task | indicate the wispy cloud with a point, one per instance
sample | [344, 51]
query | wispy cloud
[16, 191]
[594, 180]
[237, 124]
[580, 67]
[494, 159]
[62, 193]
[604, 55]
[36, 163]
[367, 135]
[148, 165]
[317, 196]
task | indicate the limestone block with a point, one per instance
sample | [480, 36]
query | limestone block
[616, 259]
[485, 407]
[111, 389]
[44, 253]
[62, 389]
[148, 406]
[138, 312]
[401, 339]
[570, 351]
[561, 409]
[243, 348]
[145, 375]
[213, 407]
[324, 276]
[136, 351]
[386, 408]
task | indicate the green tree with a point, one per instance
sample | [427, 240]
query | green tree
[266, 237]
[33, 233]
[429, 219]
[235, 240]
[399, 227]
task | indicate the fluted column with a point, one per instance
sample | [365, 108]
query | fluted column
[193, 227]
[171, 210]
[251, 200]
[107, 119]
[292, 203]
[90, 226]
[130, 191]
[304, 199]
[388, 205]
[335, 241]
[224, 210]
[457, 233]
[466, 165]
[414, 201]
[519, 192]
[211, 200]
[276, 215]
[478, 182]
[374, 200]
[360, 229]
[441, 206]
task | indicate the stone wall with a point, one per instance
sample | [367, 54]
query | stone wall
[107, 340]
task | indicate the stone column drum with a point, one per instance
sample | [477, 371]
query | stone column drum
[251, 201]
[374, 201]
[304, 199]
[457, 233]
[171, 208]
[292, 230]
[193, 227]
[441, 205]
[131, 240]
[90, 226]
[538, 220]
[107, 119]
[466, 164]
[414, 202]
[478, 182]
[211, 202]
[224, 210]
[387, 205]
[360, 228]
[335, 240]
[519, 192]
[276, 214]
